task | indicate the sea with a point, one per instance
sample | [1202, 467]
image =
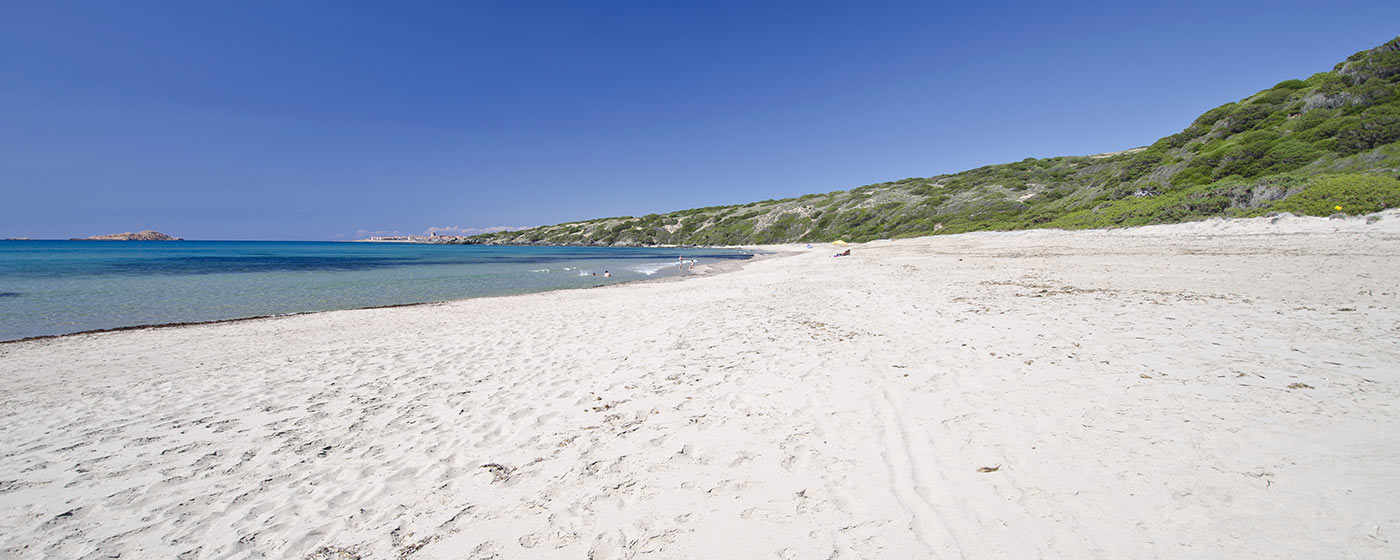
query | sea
[61, 287]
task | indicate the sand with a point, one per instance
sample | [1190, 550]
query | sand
[1220, 389]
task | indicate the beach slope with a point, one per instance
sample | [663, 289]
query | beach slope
[1217, 389]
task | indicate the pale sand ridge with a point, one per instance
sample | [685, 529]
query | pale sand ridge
[1131, 387]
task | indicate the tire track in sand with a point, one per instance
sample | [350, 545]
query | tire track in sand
[909, 483]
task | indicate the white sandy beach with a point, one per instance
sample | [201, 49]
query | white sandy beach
[1222, 389]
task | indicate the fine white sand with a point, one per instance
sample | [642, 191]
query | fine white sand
[1220, 389]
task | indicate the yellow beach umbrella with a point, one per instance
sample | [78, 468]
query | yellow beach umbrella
[839, 242]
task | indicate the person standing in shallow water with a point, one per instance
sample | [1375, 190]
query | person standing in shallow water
[607, 274]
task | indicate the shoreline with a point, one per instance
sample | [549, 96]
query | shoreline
[156, 326]
[719, 267]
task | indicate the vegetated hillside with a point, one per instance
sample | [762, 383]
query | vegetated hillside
[1302, 146]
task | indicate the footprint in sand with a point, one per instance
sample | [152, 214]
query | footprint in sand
[485, 550]
[607, 546]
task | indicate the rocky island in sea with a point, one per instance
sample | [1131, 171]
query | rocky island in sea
[147, 235]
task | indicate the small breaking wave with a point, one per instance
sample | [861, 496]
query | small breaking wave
[653, 268]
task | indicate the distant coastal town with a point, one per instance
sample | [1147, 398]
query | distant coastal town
[434, 238]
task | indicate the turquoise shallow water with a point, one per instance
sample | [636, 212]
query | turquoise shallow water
[58, 287]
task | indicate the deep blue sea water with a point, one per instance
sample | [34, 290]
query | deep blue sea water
[58, 287]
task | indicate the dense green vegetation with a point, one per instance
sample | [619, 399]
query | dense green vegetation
[1302, 146]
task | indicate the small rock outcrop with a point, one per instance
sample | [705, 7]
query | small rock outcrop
[147, 235]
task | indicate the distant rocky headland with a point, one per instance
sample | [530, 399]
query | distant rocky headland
[147, 235]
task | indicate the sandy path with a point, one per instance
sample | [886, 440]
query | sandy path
[1131, 386]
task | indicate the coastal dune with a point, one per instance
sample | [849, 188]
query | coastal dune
[1216, 389]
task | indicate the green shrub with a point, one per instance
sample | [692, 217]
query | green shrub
[1274, 96]
[1208, 118]
[1373, 127]
[1354, 193]
[1290, 154]
[1191, 176]
[1246, 117]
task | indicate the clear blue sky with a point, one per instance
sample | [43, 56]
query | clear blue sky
[318, 120]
